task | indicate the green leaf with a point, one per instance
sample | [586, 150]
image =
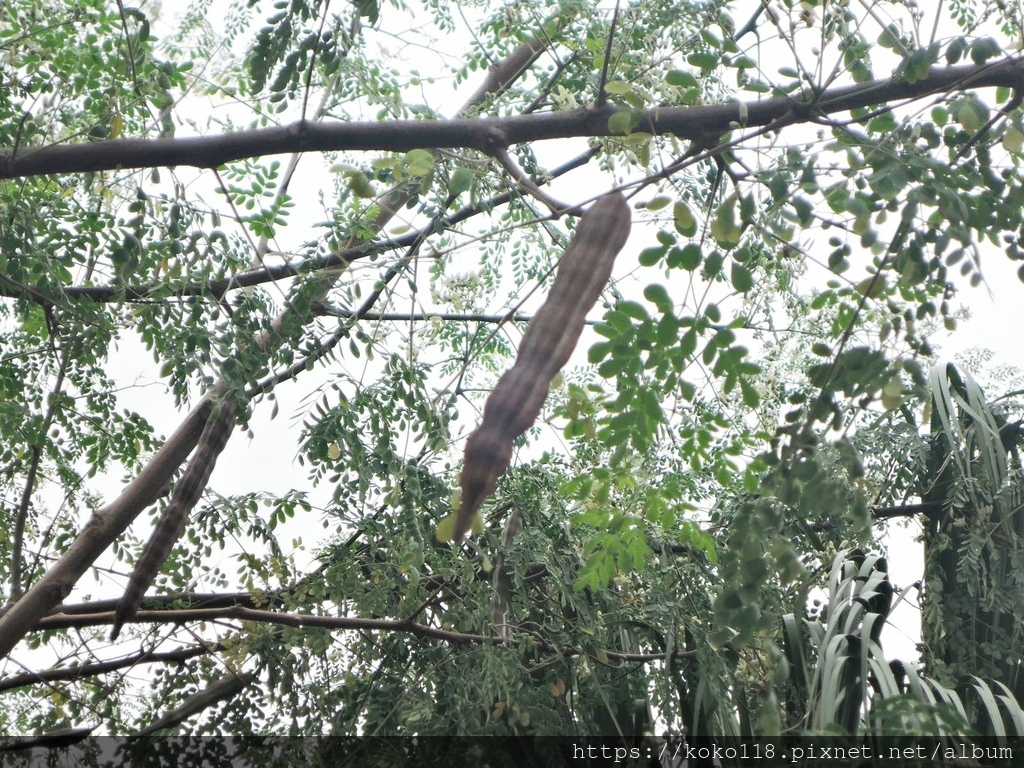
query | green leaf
[360, 185]
[461, 181]
[633, 309]
[713, 264]
[821, 349]
[883, 123]
[685, 223]
[658, 296]
[741, 278]
[623, 121]
[875, 284]
[955, 50]
[688, 257]
[710, 37]
[703, 60]
[1013, 140]
[418, 162]
[599, 351]
[650, 256]
[724, 228]
[983, 49]
[890, 37]
[680, 78]
[751, 397]
[968, 117]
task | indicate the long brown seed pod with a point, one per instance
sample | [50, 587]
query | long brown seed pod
[219, 426]
[550, 338]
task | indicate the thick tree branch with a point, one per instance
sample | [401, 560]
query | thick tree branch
[925, 509]
[105, 525]
[64, 737]
[421, 317]
[489, 135]
[180, 600]
[226, 687]
[501, 74]
[190, 487]
[526, 183]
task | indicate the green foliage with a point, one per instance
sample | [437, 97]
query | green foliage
[974, 539]
[841, 683]
[749, 397]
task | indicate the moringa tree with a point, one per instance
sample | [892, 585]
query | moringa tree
[353, 209]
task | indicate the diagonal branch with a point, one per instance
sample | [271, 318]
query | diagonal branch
[92, 669]
[172, 522]
[100, 531]
[224, 688]
[267, 274]
[452, 637]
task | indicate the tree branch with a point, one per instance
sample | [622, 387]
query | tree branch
[240, 613]
[82, 671]
[488, 135]
[267, 274]
[105, 525]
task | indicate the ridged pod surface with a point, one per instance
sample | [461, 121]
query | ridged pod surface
[550, 338]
